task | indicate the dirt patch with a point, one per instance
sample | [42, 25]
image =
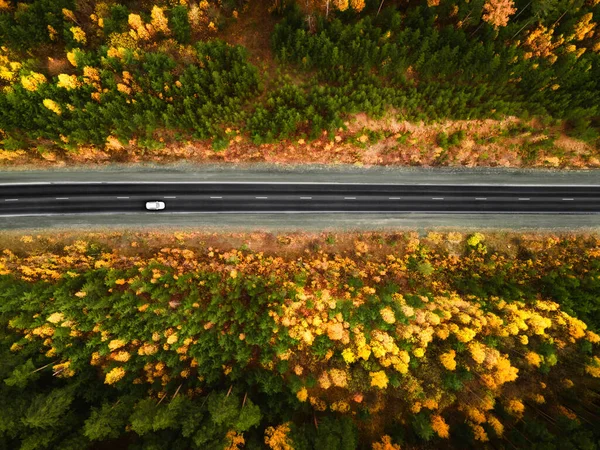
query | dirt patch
[58, 65]
[364, 142]
[252, 30]
[286, 245]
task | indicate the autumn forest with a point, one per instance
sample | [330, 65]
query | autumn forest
[430, 339]
[234, 79]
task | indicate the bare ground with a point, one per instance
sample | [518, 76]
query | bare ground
[487, 143]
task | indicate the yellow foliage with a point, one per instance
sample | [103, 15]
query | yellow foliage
[338, 377]
[447, 360]
[348, 356]
[114, 375]
[335, 331]
[584, 28]
[234, 440]
[475, 239]
[540, 42]
[592, 337]
[465, 334]
[68, 81]
[534, 359]
[440, 426]
[387, 315]
[78, 35]
[324, 381]
[385, 444]
[71, 58]
[496, 12]
[139, 29]
[496, 425]
[148, 349]
[276, 438]
[196, 16]
[379, 379]
[15, 347]
[159, 20]
[479, 432]
[515, 407]
[116, 344]
[123, 88]
[302, 394]
[419, 352]
[340, 406]
[95, 361]
[121, 356]
[55, 317]
[63, 370]
[52, 106]
[68, 14]
[477, 351]
[357, 5]
[594, 367]
[32, 81]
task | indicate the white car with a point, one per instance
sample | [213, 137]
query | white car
[155, 206]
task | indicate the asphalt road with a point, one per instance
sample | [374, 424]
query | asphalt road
[281, 197]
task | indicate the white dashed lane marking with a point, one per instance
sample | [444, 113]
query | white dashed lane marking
[437, 198]
[395, 198]
[123, 198]
[169, 197]
[216, 198]
[567, 199]
[261, 198]
[62, 198]
[305, 198]
[11, 199]
[523, 199]
[349, 198]
[480, 198]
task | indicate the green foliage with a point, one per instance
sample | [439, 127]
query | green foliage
[116, 22]
[418, 61]
[27, 25]
[422, 426]
[445, 141]
[459, 76]
[425, 268]
[108, 421]
[22, 375]
[220, 143]
[179, 24]
[333, 433]
[45, 411]
[452, 382]
[197, 98]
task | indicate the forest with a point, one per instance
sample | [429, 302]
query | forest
[380, 341]
[87, 72]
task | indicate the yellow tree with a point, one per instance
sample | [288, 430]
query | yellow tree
[160, 21]
[496, 12]
[340, 5]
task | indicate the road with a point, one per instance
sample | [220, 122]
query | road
[49, 198]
